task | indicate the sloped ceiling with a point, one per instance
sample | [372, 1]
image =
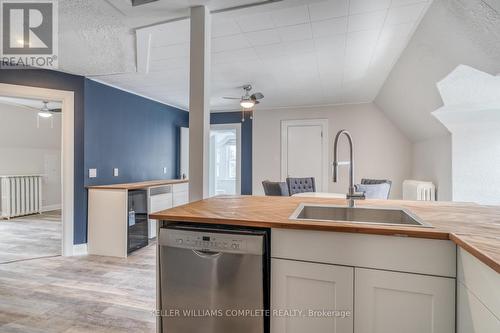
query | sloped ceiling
[453, 32]
[297, 52]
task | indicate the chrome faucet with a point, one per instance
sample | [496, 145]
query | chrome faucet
[352, 195]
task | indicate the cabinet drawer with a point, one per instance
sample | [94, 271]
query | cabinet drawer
[182, 187]
[406, 254]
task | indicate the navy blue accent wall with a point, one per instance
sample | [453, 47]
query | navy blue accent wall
[246, 145]
[113, 128]
[134, 134]
[62, 81]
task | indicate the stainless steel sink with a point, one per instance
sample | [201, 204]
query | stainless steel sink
[370, 215]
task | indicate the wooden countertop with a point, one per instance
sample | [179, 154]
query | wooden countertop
[138, 185]
[473, 227]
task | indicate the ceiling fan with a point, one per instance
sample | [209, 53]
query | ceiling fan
[248, 101]
[45, 112]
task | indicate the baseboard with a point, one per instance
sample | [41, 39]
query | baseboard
[80, 250]
[49, 208]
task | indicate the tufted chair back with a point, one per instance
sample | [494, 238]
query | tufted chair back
[275, 188]
[301, 185]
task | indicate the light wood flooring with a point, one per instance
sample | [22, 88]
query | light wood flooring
[29, 237]
[79, 294]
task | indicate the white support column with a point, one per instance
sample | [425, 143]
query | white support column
[199, 103]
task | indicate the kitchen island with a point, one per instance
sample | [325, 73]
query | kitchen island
[394, 278]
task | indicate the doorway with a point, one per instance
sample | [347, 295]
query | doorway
[225, 160]
[30, 179]
[304, 150]
[67, 158]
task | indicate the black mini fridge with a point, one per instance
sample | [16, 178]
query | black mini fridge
[137, 231]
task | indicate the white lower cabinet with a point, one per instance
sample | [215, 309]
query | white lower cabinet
[180, 194]
[391, 284]
[478, 303]
[393, 302]
[311, 298]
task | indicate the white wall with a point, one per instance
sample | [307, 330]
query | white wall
[432, 162]
[26, 149]
[381, 150]
[450, 34]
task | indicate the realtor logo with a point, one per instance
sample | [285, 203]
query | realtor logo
[29, 33]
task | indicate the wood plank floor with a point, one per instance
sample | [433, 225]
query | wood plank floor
[79, 294]
[32, 236]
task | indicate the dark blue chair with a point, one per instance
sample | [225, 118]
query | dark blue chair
[275, 188]
[301, 185]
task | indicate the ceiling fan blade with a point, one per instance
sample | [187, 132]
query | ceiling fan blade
[141, 2]
[231, 97]
[257, 96]
[256, 102]
[56, 110]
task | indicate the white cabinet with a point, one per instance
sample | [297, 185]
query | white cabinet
[160, 198]
[180, 194]
[166, 197]
[393, 302]
[478, 296]
[472, 315]
[397, 284]
[301, 287]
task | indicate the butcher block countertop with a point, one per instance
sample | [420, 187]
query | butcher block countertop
[473, 227]
[138, 185]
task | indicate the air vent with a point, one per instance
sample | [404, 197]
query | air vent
[141, 2]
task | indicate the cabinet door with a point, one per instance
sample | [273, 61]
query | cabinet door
[472, 315]
[301, 286]
[157, 203]
[181, 194]
[391, 302]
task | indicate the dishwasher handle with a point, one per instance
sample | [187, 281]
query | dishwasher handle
[207, 254]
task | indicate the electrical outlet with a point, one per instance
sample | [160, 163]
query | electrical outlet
[165, 170]
[92, 173]
[115, 172]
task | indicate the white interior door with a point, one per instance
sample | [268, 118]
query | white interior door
[304, 150]
[225, 160]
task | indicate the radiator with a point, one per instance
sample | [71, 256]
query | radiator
[419, 190]
[20, 195]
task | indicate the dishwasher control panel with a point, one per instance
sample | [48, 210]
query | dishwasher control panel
[210, 241]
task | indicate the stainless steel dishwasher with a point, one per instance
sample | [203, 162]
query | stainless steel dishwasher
[213, 279]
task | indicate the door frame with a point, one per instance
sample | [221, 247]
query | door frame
[284, 142]
[67, 152]
[236, 126]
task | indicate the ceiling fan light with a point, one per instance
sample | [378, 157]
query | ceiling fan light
[247, 103]
[45, 114]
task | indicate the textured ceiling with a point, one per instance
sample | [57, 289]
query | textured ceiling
[453, 33]
[297, 52]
